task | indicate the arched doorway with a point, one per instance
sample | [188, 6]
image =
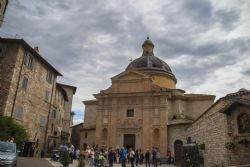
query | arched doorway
[178, 150]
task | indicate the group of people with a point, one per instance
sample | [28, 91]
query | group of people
[73, 153]
[107, 157]
[102, 157]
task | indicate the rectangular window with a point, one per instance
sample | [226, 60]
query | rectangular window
[49, 76]
[19, 113]
[54, 113]
[130, 112]
[86, 134]
[25, 83]
[29, 60]
[52, 128]
[42, 120]
[46, 96]
[3, 48]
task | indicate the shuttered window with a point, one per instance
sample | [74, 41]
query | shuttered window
[25, 83]
[46, 96]
[29, 60]
[49, 76]
[19, 113]
[43, 120]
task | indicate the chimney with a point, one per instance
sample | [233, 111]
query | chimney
[36, 49]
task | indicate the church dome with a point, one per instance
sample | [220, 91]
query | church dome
[150, 63]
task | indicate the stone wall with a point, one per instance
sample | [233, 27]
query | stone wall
[76, 135]
[90, 139]
[32, 100]
[211, 130]
[67, 122]
[7, 65]
[31, 105]
[188, 106]
[176, 132]
[90, 113]
[241, 154]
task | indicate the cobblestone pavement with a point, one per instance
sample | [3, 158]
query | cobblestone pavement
[32, 162]
[75, 163]
[58, 164]
[143, 165]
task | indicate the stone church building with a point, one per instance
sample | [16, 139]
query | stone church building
[144, 109]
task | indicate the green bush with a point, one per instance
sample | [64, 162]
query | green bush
[9, 128]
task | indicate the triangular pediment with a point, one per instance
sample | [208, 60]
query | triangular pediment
[129, 75]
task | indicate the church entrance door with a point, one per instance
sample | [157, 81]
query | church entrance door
[178, 150]
[129, 141]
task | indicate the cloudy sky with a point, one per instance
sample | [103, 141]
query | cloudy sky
[206, 43]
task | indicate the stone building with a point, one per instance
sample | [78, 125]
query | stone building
[143, 108]
[76, 135]
[224, 131]
[3, 6]
[60, 120]
[29, 94]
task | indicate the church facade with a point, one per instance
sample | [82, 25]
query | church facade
[143, 109]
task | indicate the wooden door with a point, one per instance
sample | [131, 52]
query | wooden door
[129, 141]
[178, 150]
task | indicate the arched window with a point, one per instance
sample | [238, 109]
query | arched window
[244, 123]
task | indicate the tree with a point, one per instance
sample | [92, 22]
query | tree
[9, 128]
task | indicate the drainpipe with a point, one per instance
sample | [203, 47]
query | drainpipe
[47, 125]
[16, 91]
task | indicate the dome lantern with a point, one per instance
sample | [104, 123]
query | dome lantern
[148, 47]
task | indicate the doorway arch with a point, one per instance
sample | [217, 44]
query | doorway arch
[178, 144]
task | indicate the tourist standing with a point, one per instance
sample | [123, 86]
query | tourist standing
[154, 157]
[131, 157]
[141, 157]
[71, 152]
[96, 155]
[137, 157]
[123, 157]
[147, 158]
[111, 157]
[92, 153]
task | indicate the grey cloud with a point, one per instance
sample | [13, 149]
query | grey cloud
[228, 18]
[247, 72]
[200, 11]
[64, 32]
